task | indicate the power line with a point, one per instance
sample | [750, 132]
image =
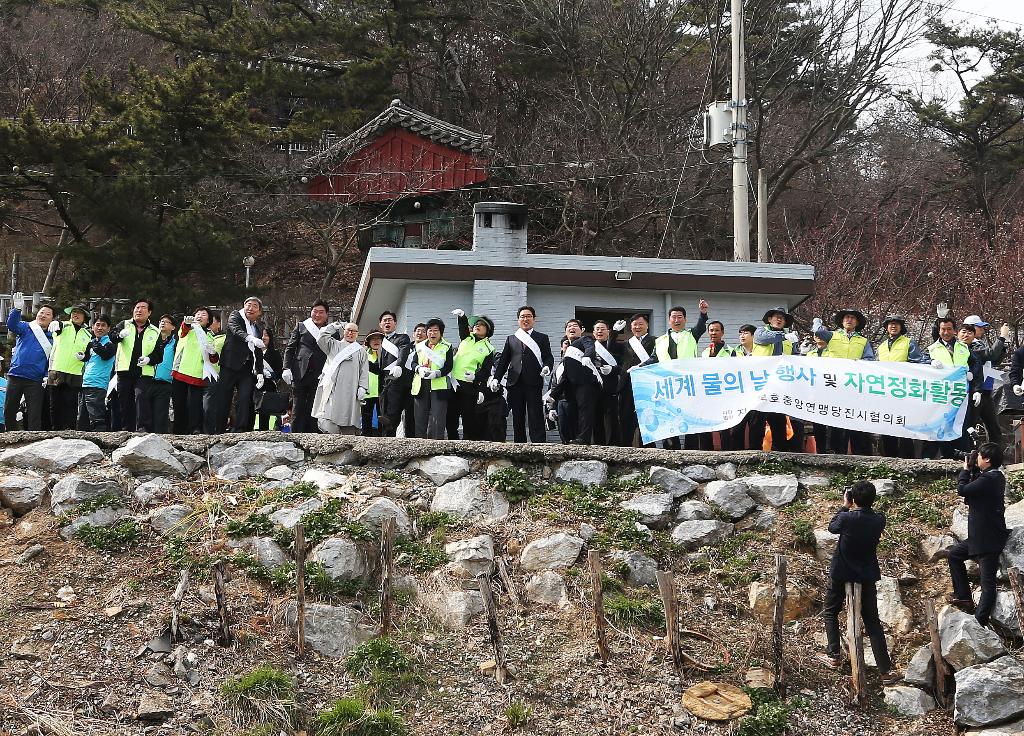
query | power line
[972, 13]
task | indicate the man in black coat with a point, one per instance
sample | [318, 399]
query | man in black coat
[983, 487]
[303, 364]
[241, 364]
[394, 387]
[856, 561]
[637, 350]
[581, 380]
[525, 362]
[608, 361]
[989, 355]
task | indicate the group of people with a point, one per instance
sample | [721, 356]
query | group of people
[211, 377]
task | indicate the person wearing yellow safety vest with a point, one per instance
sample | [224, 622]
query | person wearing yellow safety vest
[898, 347]
[195, 356]
[847, 342]
[430, 382]
[678, 343]
[64, 380]
[739, 432]
[948, 352]
[471, 367]
[371, 404]
[717, 349]
[774, 337]
[139, 349]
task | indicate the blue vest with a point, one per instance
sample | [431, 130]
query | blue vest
[97, 371]
[164, 367]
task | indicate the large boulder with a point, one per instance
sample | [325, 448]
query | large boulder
[255, 456]
[774, 490]
[825, 543]
[74, 489]
[547, 588]
[694, 511]
[965, 642]
[170, 520]
[153, 490]
[379, 509]
[700, 473]
[1004, 615]
[920, 671]
[891, 610]
[640, 570]
[468, 558]
[699, 533]
[22, 493]
[468, 499]
[726, 471]
[342, 558]
[799, 601]
[959, 525]
[1013, 552]
[553, 552]
[453, 609]
[989, 693]
[440, 469]
[325, 480]
[935, 547]
[1016, 728]
[333, 631]
[730, 497]
[672, 481]
[150, 454]
[1014, 515]
[54, 455]
[586, 472]
[908, 701]
[653, 509]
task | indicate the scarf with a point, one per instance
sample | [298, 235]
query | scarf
[637, 345]
[347, 351]
[204, 344]
[606, 356]
[524, 337]
[311, 328]
[44, 341]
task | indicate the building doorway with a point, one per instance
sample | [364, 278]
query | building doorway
[589, 315]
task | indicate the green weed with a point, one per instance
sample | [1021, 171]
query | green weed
[253, 525]
[106, 500]
[293, 492]
[634, 610]
[420, 555]
[117, 538]
[330, 520]
[512, 482]
[432, 520]
[776, 467]
[384, 667]
[518, 715]
[768, 717]
[392, 475]
[803, 533]
[628, 484]
[351, 717]
[263, 683]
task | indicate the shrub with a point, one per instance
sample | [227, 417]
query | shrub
[512, 482]
[385, 668]
[117, 538]
[803, 533]
[768, 717]
[634, 611]
[350, 717]
[420, 555]
[263, 683]
[518, 715]
[440, 520]
[253, 525]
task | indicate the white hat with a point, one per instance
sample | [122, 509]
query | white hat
[975, 320]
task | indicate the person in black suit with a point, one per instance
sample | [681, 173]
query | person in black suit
[303, 364]
[856, 561]
[609, 358]
[581, 381]
[983, 486]
[526, 371]
[394, 387]
[636, 351]
[241, 364]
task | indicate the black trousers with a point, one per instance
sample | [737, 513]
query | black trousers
[244, 381]
[777, 423]
[92, 409]
[628, 424]
[606, 418]
[63, 406]
[987, 414]
[188, 407]
[525, 402]
[431, 413]
[897, 446]
[302, 408]
[366, 412]
[35, 396]
[133, 396]
[160, 403]
[859, 442]
[473, 423]
[394, 395]
[989, 565]
[835, 597]
[585, 400]
[210, 412]
[822, 436]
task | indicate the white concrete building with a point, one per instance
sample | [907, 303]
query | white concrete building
[498, 275]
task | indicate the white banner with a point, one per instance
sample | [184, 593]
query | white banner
[680, 397]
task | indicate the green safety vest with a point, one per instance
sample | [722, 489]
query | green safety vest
[124, 348]
[65, 344]
[188, 354]
[898, 353]
[374, 390]
[436, 384]
[686, 348]
[218, 342]
[814, 354]
[725, 352]
[768, 351]
[470, 356]
[960, 357]
[843, 346]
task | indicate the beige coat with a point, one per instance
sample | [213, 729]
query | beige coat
[335, 398]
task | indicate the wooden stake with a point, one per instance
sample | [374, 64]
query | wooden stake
[941, 668]
[778, 620]
[300, 589]
[220, 590]
[387, 566]
[1017, 586]
[855, 639]
[510, 586]
[484, 583]
[667, 589]
[600, 625]
[176, 599]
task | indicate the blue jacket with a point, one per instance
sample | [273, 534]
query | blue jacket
[99, 363]
[29, 361]
[163, 368]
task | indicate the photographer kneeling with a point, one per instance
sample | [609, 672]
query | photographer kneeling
[983, 485]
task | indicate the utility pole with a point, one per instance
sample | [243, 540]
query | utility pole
[762, 216]
[740, 215]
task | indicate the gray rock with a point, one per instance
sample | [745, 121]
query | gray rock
[547, 553]
[547, 588]
[641, 570]
[693, 534]
[325, 480]
[825, 543]
[74, 489]
[908, 701]
[22, 493]
[267, 552]
[287, 518]
[29, 554]
[965, 642]
[587, 531]
[809, 479]
[190, 462]
[672, 481]
[343, 558]
[255, 456]
[959, 525]
[154, 706]
[453, 609]
[921, 670]
[891, 610]
[150, 454]
[279, 472]
[730, 497]
[587, 472]
[101, 518]
[440, 469]
[694, 511]
[654, 509]
[468, 499]
[341, 459]
[54, 455]
[884, 486]
[700, 473]
[333, 631]
[726, 471]
[471, 557]
[232, 472]
[159, 674]
[1007, 729]
[169, 520]
[1014, 515]
[380, 509]
[1013, 552]
[989, 693]
[936, 547]
[762, 517]
[149, 492]
[495, 465]
[775, 490]
[1004, 615]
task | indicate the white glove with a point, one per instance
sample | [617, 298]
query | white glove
[792, 337]
[190, 320]
[143, 361]
[1004, 332]
[254, 341]
[268, 371]
[816, 324]
[18, 301]
[286, 376]
[545, 372]
[553, 416]
[605, 370]
[970, 376]
[260, 380]
[479, 398]
[123, 334]
[431, 375]
[55, 327]
[619, 326]
[423, 371]
[80, 356]
[211, 349]
[458, 313]
[394, 370]
[587, 362]
[1019, 390]
[360, 393]
[937, 364]
[468, 376]
[976, 398]
[337, 326]
[492, 384]
[549, 402]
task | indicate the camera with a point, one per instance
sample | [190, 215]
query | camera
[971, 456]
